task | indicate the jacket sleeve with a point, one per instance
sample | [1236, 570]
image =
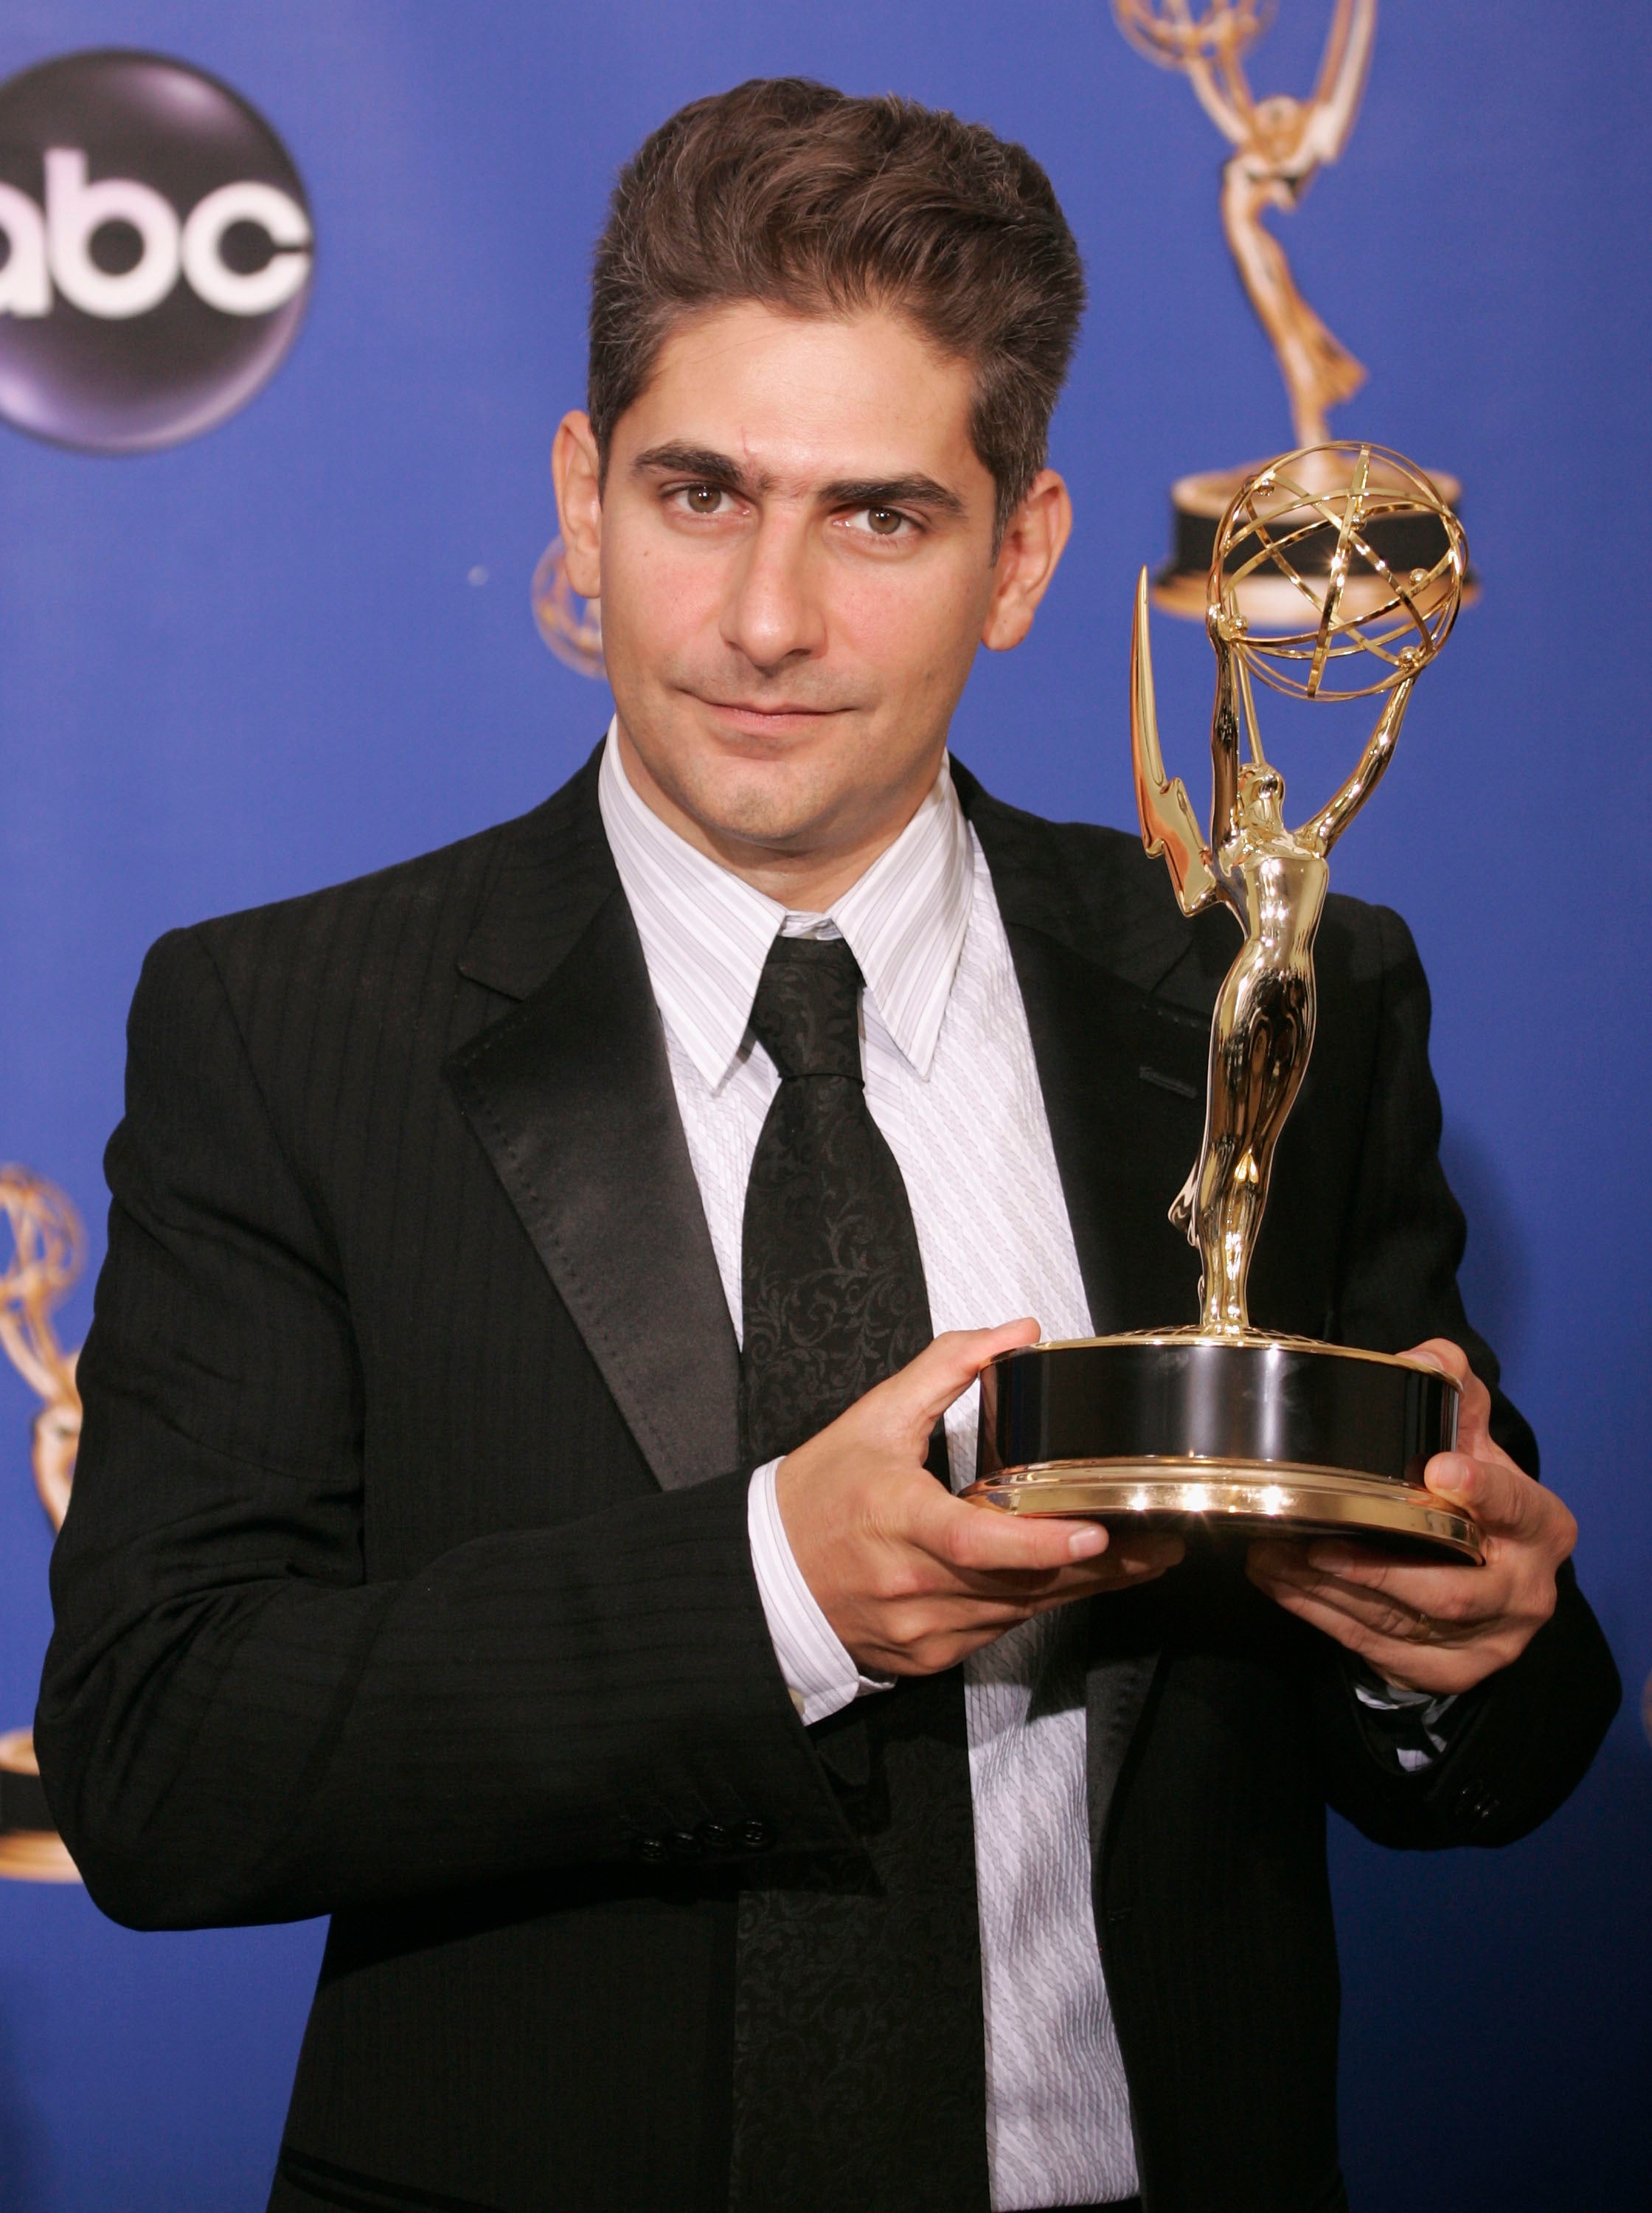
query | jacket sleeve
[1518, 1744]
[234, 1723]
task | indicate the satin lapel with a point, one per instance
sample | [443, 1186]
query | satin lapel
[571, 1095]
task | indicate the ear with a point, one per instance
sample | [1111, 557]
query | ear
[1033, 539]
[577, 473]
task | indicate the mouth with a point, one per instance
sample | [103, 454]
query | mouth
[771, 718]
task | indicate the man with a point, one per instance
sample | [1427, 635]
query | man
[507, 1517]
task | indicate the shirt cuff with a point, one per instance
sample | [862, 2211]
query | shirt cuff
[819, 1673]
[1414, 1718]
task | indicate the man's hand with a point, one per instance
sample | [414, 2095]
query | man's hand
[1429, 1628]
[910, 1578]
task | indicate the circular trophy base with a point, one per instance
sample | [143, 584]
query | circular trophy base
[1270, 599]
[1243, 1436]
[30, 1849]
[1234, 1500]
[35, 1855]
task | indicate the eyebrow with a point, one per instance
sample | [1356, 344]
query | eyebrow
[892, 491]
[708, 467]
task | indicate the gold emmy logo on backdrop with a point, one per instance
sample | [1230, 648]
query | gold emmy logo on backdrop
[570, 626]
[48, 1252]
[1219, 1423]
[1279, 143]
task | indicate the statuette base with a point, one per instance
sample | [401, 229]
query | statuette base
[27, 1853]
[1241, 1502]
[1244, 1437]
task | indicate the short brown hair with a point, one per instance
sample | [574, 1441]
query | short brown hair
[785, 192]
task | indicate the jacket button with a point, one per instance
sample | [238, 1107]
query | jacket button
[684, 1844]
[756, 1837]
[718, 1835]
[649, 1848]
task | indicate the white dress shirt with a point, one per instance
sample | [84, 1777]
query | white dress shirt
[952, 1084]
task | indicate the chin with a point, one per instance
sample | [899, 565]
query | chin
[775, 792]
[772, 805]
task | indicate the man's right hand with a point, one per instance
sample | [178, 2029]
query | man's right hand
[910, 1578]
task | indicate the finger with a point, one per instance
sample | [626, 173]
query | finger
[970, 1592]
[1287, 1573]
[1429, 1649]
[1382, 1613]
[1420, 1667]
[977, 1538]
[915, 1396]
[1495, 1494]
[974, 1538]
[1394, 1591]
[982, 1604]
[932, 1628]
[1157, 1549]
[1475, 1407]
[1113, 1572]
[1440, 1352]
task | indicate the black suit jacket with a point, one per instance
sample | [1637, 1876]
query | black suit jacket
[406, 1578]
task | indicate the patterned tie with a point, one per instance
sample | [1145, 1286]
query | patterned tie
[834, 1295]
[851, 1979]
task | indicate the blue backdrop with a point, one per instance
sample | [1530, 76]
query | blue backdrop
[301, 646]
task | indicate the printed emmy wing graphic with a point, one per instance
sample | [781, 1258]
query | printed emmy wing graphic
[48, 1252]
[570, 626]
[1217, 1422]
[1279, 145]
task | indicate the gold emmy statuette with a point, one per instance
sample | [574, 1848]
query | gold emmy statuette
[1279, 144]
[48, 1253]
[1221, 1424]
[570, 626]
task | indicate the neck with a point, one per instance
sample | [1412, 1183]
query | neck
[808, 880]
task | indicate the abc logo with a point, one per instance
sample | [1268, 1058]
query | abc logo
[156, 251]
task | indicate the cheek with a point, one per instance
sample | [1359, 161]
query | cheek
[658, 594]
[918, 623]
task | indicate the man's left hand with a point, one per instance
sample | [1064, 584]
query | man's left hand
[1424, 1627]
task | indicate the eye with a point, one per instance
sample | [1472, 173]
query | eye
[885, 523]
[702, 499]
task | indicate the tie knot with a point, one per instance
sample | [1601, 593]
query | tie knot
[806, 1011]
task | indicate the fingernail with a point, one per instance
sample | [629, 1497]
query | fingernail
[1332, 1559]
[1085, 1544]
[1450, 1475]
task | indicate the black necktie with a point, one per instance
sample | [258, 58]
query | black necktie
[851, 1978]
[834, 1296]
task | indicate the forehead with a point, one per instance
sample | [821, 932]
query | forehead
[809, 398]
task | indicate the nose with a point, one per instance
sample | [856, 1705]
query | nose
[772, 613]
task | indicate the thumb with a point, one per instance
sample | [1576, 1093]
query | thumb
[914, 1397]
[1475, 1407]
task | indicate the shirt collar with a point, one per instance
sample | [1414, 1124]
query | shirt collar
[706, 934]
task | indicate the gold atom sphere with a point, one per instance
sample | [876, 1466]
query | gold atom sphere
[1346, 553]
[1173, 33]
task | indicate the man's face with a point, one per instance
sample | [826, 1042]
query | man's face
[793, 551]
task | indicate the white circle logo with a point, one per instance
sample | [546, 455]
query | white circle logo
[157, 251]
